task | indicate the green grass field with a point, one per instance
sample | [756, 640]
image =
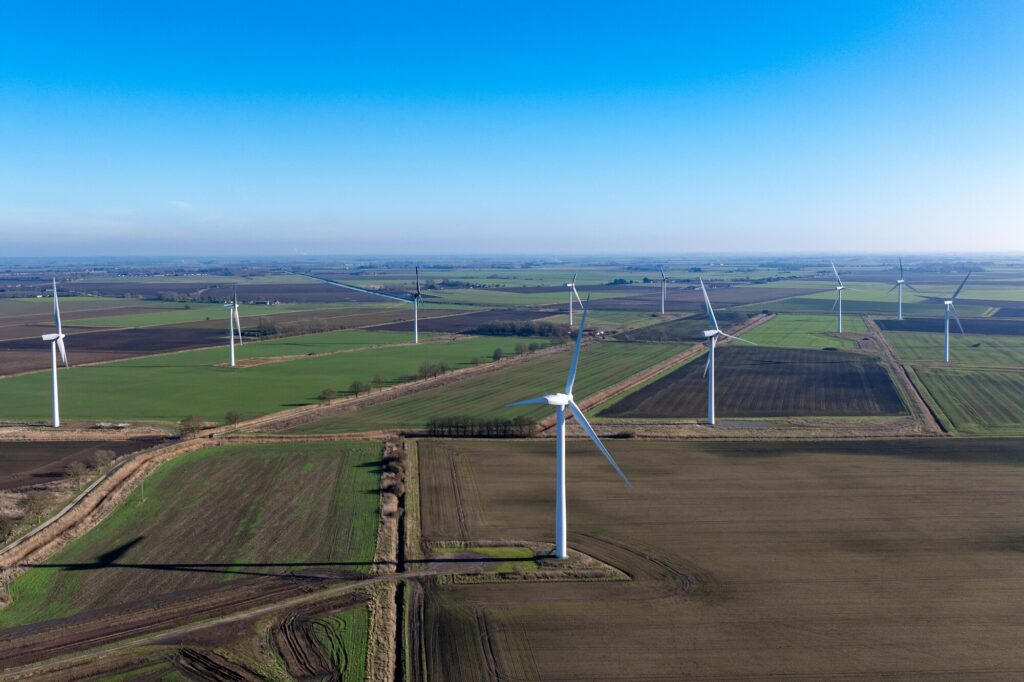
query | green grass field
[166, 388]
[601, 365]
[976, 401]
[344, 637]
[974, 350]
[176, 313]
[210, 516]
[806, 331]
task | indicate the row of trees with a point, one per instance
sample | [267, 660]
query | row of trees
[514, 328]
[477, 427]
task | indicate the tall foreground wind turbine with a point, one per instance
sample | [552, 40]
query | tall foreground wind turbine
[233, 323]
[712, 336]
[664, 287]
[573, 292]
[415, 300]
[952, 308]
[56, 343]
[560, 401]
[900, 283]
[838, 305]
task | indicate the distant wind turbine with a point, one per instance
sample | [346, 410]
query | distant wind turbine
[838, 305]
[573, 292]
[712, 336]
[56, 343]
[415, 299]
[952, 308]
[664, 287]
[233, 323]
[900, 283]
[560, 401]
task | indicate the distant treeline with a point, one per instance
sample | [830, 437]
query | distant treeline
[511, 328]
[476, 427]
[267, 326]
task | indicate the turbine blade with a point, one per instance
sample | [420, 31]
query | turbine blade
[576, 351]
[417, 281]
[529, 401]
[835, 302]
[597, 441]
[56, 307]
[892, 289]
[736, 338]
[63, 353]
[957, 318]
[912, 287]
[707, 364]
[577, 296]
[662, 271]
[238, 324]
[837, 274]
[901, 267]
[574, 279]
[955, 293]
[355, 288]
[707, 302]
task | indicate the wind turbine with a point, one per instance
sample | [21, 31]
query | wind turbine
[56, 343]
[572, 292]
[560, 401]
[414, 300]
[664, 288]
[712, 336]
[839, 301]
[952, 308]
[900, 283]
[234, 323]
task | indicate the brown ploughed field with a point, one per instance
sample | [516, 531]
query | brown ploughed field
[849, 559]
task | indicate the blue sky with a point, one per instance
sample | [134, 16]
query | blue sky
[141, 128]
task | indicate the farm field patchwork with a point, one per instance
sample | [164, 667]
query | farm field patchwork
[873, 559]
[768, 382]
[976, 401]
[806, 331]
[686, 330]
[169, 387]
[601, 365]
[24, 463]
[935, 325]
[228, 513]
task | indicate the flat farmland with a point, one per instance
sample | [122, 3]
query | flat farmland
[806, 331]
[166, 388]
[25, 463]
[768, 382]
[976, 401]
[823, 305]
[688, 329]
[936, 325]
[853, 559]
[229, 513]
[601, 365]
[679, 298]
[454, 323]
[965, 350]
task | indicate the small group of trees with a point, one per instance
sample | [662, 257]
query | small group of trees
[433, 369]
[99, 461]
[266, 326]
[477, 427]
[191, 425]
[358, 387]
[513, 328]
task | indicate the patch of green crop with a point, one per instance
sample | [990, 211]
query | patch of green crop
[806, 331]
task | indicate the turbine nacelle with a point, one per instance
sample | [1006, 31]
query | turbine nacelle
[708, 333]
[839, 287]
[948, 302]
[558, 399]
[901, 281]
[53, 337]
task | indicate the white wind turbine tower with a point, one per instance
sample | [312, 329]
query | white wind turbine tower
[560, 401]
[56, 343]
[416, 299]
[573, 292]
[900, 283]
[712, 336]
[664, 288]
[233, 323]
[952, 308]
[838, 305]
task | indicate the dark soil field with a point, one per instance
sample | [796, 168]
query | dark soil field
[25, 463]
[35, 325]
[648, 298]
[985, 325]
[768, 382]
[85, 346]
[458, 323]
[827, 560]
[210, 516]
[686, 329]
